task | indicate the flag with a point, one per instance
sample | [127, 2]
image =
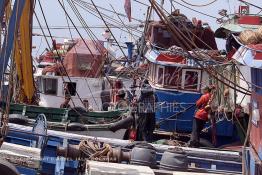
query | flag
[127, 7]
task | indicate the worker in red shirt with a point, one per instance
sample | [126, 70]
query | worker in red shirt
[200, 117]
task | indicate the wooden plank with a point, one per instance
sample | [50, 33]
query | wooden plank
[103, 168]
[21, 155]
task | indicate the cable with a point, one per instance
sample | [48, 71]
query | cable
[108, 27]
[195, 10]
[90, 8]
[94, 62]
[41, 40]
[81, 27]
[122, 22]
[121, 14]
[199, 5]
[248, 3]
[59, 54]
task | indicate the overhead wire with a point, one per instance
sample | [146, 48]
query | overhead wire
[248, 3]
[81, 27]
[92, 37]
[197, 11]
[199, 5]
[105, 9]
[92, 11]
[108, 28]
[129, 32]
[64, 69]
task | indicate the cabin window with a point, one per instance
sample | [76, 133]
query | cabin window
[191, 79]
[256, 80]
[160, 75]
[152, 72]
[39, 84]
[70, 88]
[173, 76]
[50, 86]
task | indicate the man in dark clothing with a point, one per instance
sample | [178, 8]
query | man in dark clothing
[200, 117]
[146, 112]
[122, 104]
[105, 96]
[66, 102]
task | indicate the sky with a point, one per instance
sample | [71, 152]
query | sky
[55, 17]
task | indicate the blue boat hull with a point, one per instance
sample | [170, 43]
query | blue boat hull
[51, 164]
[174, 102]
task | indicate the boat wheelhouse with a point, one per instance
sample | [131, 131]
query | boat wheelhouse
[80, 75]
[177, 83]
[178, 78]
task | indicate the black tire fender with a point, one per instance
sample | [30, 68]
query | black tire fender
[122, 124]
[76, 127]
[8, 168]
[205, 143]
[18, 119]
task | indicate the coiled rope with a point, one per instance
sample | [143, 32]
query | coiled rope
[95, 150]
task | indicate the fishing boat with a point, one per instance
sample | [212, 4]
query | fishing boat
[80, 75]
[35, 149]
[250, 55]
[73, 68]
[178, 74]
[60, 151]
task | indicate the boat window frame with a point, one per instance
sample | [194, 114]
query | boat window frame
[75, 88]
[44, 91]
[153, 73]
[157, 76]
[198, 80]
[177, 87]
[150, 75]
[39, 84]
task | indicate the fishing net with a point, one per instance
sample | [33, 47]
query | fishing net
[248, 37]
[259, 34]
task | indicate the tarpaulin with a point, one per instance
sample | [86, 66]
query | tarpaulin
[23, 59]
[83, 62]
[2, 10]
[9, 38]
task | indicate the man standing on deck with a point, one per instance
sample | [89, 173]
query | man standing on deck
[87, 105]
[200, 117]
[146, 112]
[122, 104]
[66, 102]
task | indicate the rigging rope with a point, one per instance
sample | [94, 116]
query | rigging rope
[199, 5]
[195, 10]
[95, 150]
[183, 40]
